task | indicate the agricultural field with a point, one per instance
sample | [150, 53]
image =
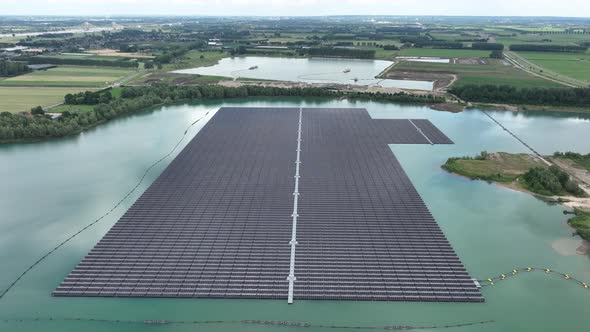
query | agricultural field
[18, 99]
[492, 72]
[576, 65]
[69, 76]
[86, 56]
[548, 39]
[109, 53]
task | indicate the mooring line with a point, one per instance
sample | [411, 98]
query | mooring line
[491, 281]
[47, 254]
[291, 278]
[517, 138]
[250, 322]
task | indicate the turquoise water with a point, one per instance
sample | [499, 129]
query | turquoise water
[308, 70]
[50, 189]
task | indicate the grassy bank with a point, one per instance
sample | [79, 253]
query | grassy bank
[194, 59]
[496, 167]
[581, 223]
[519, 171]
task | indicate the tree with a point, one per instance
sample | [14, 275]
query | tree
[148, 65]
[497, 54]
[37, 110]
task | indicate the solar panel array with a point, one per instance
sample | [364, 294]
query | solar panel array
[217, 222]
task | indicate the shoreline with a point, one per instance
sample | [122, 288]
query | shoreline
[523, 108]
[568, 202]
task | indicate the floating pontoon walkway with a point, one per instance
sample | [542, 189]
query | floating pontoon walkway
[282, 203]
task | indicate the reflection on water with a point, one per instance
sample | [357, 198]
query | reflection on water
[309, 70]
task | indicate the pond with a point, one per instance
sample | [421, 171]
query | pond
[308, 70]
[51, 189]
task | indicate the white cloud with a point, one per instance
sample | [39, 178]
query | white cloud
[299, 7]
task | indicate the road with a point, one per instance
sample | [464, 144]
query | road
[525, 65]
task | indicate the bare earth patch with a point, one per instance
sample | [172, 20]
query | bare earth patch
[441, 80]
[582, 176]
[469, 61]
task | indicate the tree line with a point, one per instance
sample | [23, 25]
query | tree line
[488, 46]
[88, 97]
[36, 127]
[548, 48]
[458, 45]
[579, 97]
[438, 44]
[83, 61]
[13, 68]
[341, 52]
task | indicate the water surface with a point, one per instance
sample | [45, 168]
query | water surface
[309, 70]
[51, 189]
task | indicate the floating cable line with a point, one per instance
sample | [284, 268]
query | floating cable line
[249, 322]
[491, 281]
[517, 138]
[61, 244]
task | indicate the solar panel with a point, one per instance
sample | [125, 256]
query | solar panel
[219, 221]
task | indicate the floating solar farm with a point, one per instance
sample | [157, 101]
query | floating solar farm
[282, 203]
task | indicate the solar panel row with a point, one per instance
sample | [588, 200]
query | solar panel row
[217, 222]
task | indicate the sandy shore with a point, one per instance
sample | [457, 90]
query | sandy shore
[340, 87]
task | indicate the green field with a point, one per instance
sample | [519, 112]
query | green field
[535, 29]
[447, 53]
[17, 99]
[193, 59]
[72, 108]
[493, 72]
[560, 39]
[576, 65]
[66, 76]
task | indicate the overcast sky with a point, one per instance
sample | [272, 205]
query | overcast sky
[578, 8]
